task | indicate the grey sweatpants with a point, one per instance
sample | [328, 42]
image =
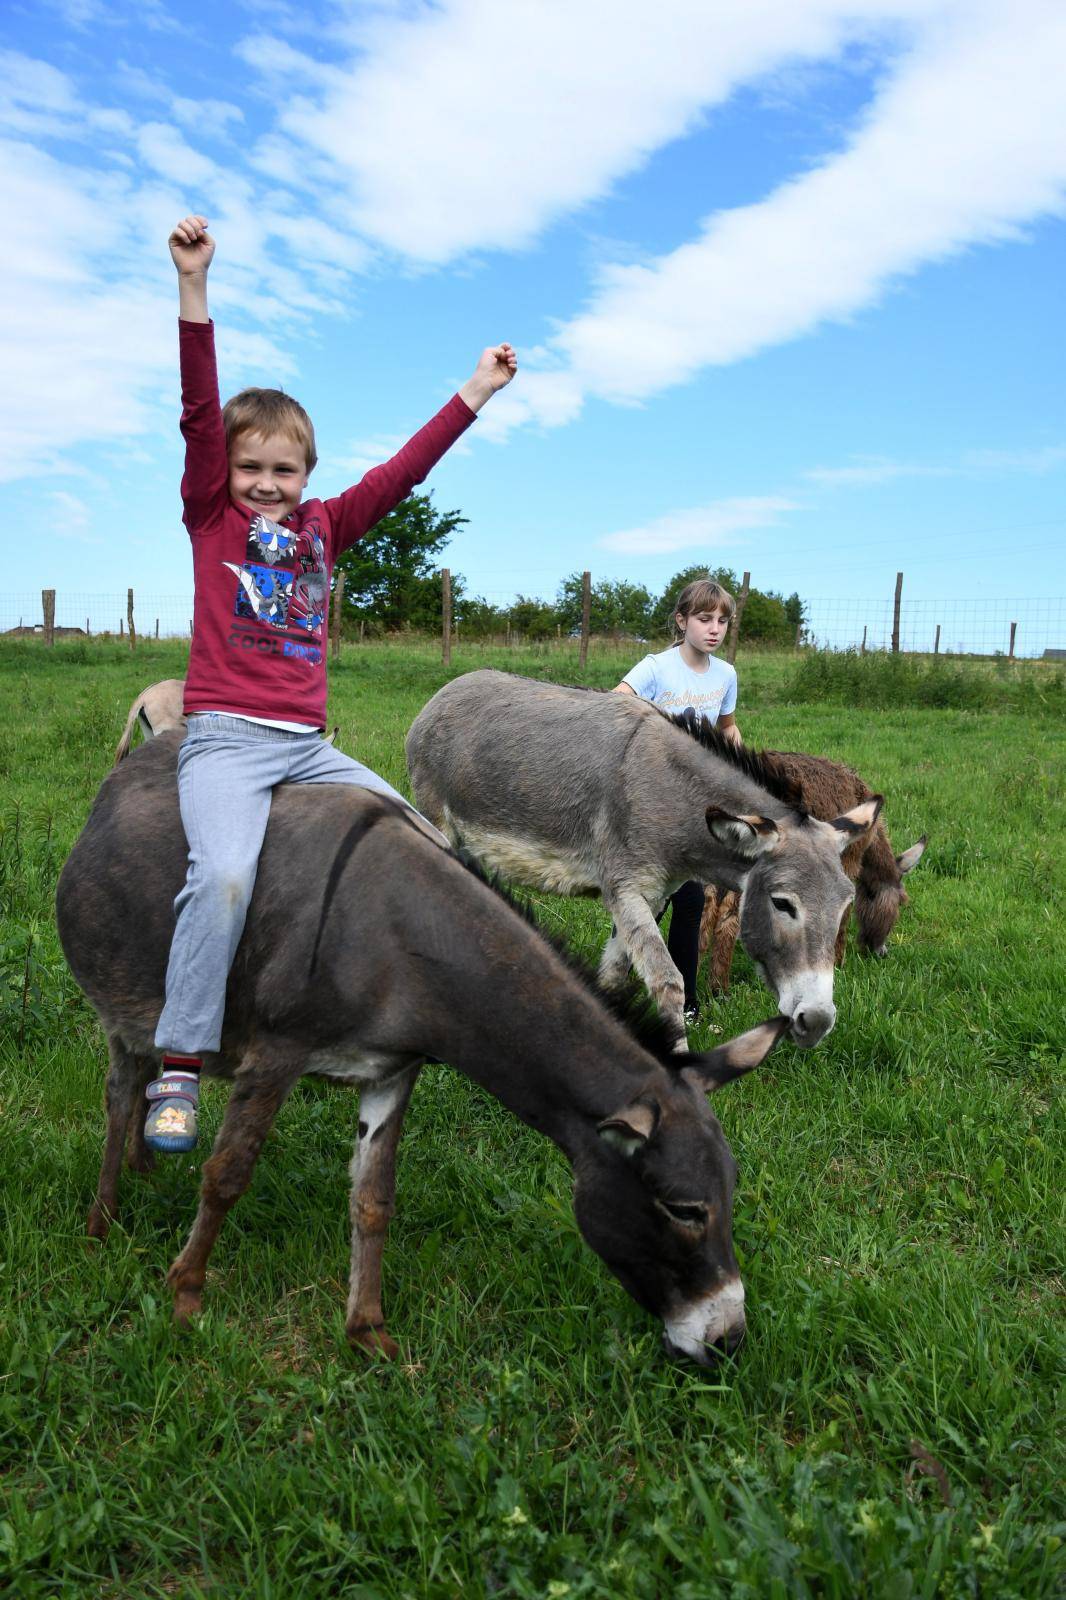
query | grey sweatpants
[228, 769]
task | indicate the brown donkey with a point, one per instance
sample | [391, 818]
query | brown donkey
[824, 788]
[367, 949]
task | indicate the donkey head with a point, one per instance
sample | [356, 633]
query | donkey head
[654, 1198]
[880, 895]
[793, 896]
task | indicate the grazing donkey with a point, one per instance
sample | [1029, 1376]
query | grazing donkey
[824, 788]
[367, 949]
[158, 709]
[579, 792]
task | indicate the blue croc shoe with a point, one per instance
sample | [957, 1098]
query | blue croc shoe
[170, 1127]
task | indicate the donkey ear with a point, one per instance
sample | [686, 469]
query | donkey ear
[631, 1128]
[746, 836]
[732, 1060]
[910, 858]
[850, 825]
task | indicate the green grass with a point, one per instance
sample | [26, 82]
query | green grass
[890, 1429]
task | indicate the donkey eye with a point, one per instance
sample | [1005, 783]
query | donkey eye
[690, 1213]
[779, 903]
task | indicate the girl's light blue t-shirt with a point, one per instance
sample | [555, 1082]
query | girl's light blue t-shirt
[671, 685]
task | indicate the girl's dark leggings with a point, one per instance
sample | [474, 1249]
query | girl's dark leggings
[683, 941]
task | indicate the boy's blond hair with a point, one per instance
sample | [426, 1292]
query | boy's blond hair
[702, 595]
[267, 411]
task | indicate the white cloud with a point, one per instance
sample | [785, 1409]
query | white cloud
[445, 130]
[964, 144]
[880, 469]
[700, 526]
[473, 125]
[71, 518]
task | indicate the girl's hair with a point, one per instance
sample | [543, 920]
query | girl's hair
[268, 411]
[703, 595]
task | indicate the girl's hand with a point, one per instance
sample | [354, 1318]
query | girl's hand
[191, 246]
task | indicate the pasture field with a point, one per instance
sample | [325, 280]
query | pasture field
[890, 1429]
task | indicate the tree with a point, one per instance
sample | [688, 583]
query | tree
[534, 619]
[391, 576]
[617, 606]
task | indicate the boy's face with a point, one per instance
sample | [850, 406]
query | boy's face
[704, 630]
[267, 473]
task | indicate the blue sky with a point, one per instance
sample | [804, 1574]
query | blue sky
[785, 277]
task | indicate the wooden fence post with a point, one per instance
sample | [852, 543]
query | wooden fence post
[338, 598]
[157, 627]
[734, 632]
[799, 634]
[88, 630]
[586, 613]
[862, 647]
[48, 607]
[895, 614]
[936, 641]
[446, 616]
[129, 619]
[121, 628]
[1013, 631]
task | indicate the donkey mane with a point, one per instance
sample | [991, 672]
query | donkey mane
[754, 764]
[630, 1006]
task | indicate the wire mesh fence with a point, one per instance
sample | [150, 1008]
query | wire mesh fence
[957, 626]
[951, 625]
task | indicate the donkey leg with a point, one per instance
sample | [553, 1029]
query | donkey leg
[639, 932]
[138, 1156]
[708, 919]
[726, 933]
[614, 963]
[259, 1090]
[373, 1201]
[126, 1079]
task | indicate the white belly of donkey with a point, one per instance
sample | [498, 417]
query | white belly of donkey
[524, 860]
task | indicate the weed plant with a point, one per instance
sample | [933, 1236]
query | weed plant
[891, 1428]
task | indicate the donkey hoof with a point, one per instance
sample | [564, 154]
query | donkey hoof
[99, 1223]
[372, 1338]
[188, 1304]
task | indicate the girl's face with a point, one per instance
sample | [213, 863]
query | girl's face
[704, 630]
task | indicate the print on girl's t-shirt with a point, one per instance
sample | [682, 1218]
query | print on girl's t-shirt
[670, 684]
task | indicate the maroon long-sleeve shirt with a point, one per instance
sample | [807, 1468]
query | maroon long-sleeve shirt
[262, 588]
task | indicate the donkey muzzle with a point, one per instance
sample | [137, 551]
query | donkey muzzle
[710, 1328]
[807, 1000]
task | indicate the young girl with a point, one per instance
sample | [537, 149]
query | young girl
[685, 677]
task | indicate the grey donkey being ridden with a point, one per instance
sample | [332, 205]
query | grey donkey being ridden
[579, 792]
[394, 951]
[255, 695]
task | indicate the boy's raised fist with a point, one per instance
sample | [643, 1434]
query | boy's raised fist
[191, 246]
